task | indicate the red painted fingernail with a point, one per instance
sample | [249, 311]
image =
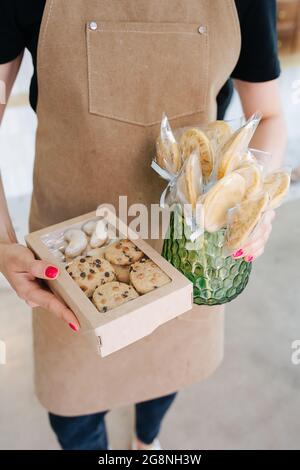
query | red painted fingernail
[249, 259]
[51, 272]
[74, 327]
[238, 253]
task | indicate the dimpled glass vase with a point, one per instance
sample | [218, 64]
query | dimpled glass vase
[217, 278]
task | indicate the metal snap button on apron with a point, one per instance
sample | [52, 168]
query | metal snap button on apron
[93, 25]
[202, 29]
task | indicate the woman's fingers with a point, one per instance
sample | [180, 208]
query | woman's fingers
[270, 215]
[49, 302]
[35, 295]
[22, 270]
[38, 268]
[238, 254]
[255, 254]
[43, 270]
[31, 304]
[255, 247]
[21, 260]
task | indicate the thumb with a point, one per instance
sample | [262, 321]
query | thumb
[22, 261]
[42, 269]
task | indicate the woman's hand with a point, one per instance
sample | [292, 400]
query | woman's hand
[22, 270]
[256, 244]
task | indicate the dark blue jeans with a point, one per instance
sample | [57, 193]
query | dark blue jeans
[88, 432]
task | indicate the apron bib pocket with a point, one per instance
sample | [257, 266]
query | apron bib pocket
[127, 79]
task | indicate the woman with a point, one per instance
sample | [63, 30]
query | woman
[106, 71]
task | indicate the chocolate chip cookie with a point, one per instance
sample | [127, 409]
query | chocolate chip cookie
[147, 276]
[90, 272]
[123, 252]
[113, 294]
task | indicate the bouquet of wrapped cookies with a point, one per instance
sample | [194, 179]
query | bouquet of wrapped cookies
[218, 192]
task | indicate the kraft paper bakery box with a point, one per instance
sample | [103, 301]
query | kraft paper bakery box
[113, 326]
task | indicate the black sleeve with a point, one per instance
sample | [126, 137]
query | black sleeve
[11, 38]
[258, 61]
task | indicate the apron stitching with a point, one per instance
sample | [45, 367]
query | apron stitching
[207, 67]
[143, 32]
[163, 23]
[89, 66]
[138, 123]
[235, 21]
[45, 30]
[237, 29]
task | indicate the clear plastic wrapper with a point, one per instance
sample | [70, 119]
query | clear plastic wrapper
[264, 159]
[234, 152]
[242, 220]
[167, 149]
[225, 182]
[245, 219]
[81, 240]
[276, 184]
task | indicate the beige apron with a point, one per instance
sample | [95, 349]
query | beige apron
[107, 69]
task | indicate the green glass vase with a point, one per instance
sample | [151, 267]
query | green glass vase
[216, 277]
